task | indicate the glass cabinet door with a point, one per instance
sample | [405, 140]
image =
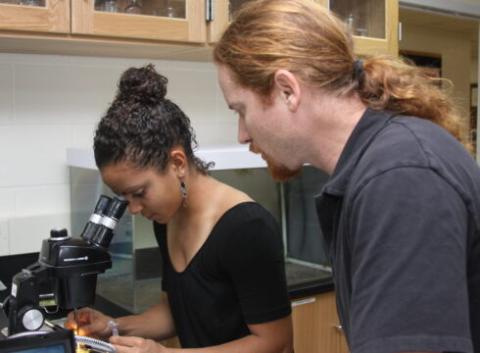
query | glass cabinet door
[169, 20]
[223, 11]
[374, 24]
[38, 3]
[159, 8]
[35, 15]
[365, 18]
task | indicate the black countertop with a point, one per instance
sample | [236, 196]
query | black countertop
[297, 289]
[310, 288]
[304, 280]
[119, 294]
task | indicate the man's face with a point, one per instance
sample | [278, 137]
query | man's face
[277, 171]
[263, 126]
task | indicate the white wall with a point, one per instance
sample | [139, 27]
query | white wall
[50, 103]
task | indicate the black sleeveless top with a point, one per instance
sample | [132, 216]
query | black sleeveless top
[236, 278]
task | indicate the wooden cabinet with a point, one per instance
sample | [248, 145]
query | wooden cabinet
[135, 28]
[179, 21]
[156, 29]
[44, 16]
[374, 23]
[164, 20]
[316, 326]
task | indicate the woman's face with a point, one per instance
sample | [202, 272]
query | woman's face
[155, 195]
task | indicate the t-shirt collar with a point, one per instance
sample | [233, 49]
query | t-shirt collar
[371, 122]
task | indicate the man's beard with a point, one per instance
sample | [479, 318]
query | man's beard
[277, 171]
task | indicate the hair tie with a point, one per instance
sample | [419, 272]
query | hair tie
[358, 71]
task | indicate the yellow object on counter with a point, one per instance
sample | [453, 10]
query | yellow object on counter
[81, 349]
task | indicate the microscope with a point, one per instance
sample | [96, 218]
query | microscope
[65, 275]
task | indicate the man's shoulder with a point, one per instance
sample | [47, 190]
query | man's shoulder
[398, 144]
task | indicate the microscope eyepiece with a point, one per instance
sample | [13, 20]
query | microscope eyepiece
[116, 208]
[93, 223]
[109, 221]
[102, 204]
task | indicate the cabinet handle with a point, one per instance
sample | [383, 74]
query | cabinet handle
[339, 328]
[209, 10]
[303, 301]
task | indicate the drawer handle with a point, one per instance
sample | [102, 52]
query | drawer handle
[303, 301]
[339, 328]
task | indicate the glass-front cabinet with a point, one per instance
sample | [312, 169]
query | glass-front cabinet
[223, 12]
[39, 16]
[372, 22]
[173, 22]
[166, 20]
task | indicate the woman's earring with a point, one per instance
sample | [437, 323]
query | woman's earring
[183, 191]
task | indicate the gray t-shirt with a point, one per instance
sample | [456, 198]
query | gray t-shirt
[400, 215]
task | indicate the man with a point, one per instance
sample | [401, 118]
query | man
[401, 210]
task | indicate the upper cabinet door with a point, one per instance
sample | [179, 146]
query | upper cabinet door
[165, 20]
[222, 13]
[374, 24]
[40, 16]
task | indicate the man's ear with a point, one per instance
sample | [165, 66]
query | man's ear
[179, 161]
[288, 87]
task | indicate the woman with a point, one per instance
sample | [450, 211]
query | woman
[400, 211]
[223, 268]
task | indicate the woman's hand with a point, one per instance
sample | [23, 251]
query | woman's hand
[89, 322]
[125, 344]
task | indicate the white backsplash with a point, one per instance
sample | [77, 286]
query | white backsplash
[50, 103]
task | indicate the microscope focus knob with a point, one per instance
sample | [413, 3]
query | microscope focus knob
[58, 234]
[32, 319]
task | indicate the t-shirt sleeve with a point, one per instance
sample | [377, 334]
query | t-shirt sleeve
[160, 232]
[253, 259]
[408, 245]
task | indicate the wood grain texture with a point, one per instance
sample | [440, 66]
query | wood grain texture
[316, 326]
[192, 29]
[54, 17]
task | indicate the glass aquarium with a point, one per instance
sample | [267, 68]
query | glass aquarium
[134, 282]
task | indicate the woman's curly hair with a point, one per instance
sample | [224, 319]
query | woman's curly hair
[142, 126]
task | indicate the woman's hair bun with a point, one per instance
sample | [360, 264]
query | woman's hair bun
[142, 85]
